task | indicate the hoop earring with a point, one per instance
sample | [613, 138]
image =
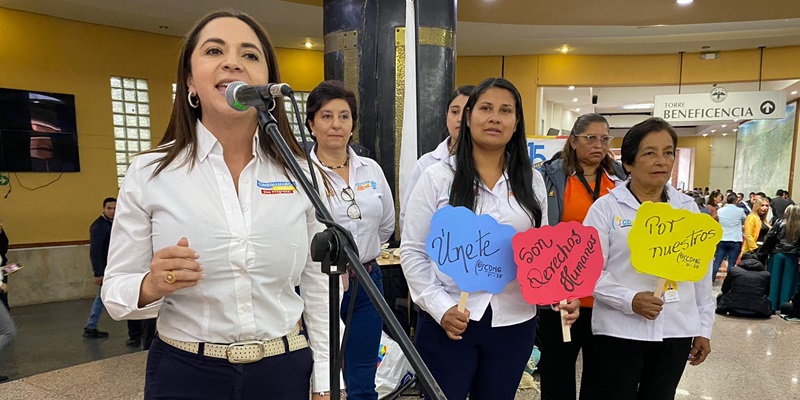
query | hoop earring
[197, 99]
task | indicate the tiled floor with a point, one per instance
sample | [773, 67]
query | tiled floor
[751, 359]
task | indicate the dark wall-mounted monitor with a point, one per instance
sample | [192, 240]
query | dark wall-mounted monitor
[38, 132]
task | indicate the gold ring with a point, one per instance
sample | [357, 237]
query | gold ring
[170, 277]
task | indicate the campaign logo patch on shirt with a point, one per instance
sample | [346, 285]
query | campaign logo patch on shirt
[276, 187]
[621, 223]
[366, 185]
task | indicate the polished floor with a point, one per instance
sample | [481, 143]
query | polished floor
[49, 359]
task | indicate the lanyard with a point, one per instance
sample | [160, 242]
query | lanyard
[663, 194]
[596, 192]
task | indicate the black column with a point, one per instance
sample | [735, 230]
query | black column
[364, 47]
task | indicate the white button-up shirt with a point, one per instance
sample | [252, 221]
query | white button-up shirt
[374, 198]
[254, 248]
[441, 152]
[434, 291]
[613, 216]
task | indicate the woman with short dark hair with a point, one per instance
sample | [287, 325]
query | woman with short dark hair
[360, 200]
[642, 344]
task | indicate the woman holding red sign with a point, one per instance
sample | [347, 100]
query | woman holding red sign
[483, 350]
[584, 172]
[640, 343]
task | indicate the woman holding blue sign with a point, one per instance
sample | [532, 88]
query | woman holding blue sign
[360, 200]
[640, 343]
[483, 350]
[455, 108]
[584, 172]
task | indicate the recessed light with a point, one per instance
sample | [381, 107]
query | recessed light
[564, 49]
[705, 134]
[577, 110]
[575, 100]
[794, 92]
[736, 120]
[308, 45]
[573, 88]
[769, 353]
[713, 130]
[684, 2]
[723, 125]
[724, 134]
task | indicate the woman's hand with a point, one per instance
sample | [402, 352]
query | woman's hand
[573, 311]
[647, 305]
[701, 347]
[455, 322]
[173, 268]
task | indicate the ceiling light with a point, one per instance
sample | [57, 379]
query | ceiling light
[564, 49]
[705, 134]
[573, 88]
[639, 106]
[794, 380]
[794, 92]
[769, 353]
[684, 2]
[736, 120]
[575, 100]
[713, 130]
[308, 45]
[735, 130]
[723, 125]
[577, 110]
[724, 134]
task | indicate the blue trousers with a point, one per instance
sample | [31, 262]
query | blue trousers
[94, 314]
[361, 350]
[725, 249]
[176, 374]
[784, 273]
[487, 362]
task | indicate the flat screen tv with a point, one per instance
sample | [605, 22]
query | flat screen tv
[38, 132]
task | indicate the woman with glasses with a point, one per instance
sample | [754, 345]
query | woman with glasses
[361, 201]
[584, 172]
[484, 349]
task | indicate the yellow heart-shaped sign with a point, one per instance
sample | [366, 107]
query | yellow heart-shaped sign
[673, 244]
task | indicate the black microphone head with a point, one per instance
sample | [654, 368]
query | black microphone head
[230, 95]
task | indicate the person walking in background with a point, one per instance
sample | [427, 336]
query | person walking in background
[779, 204]
[7, 327]
[99, 239]
[732, 219]
[584, 172]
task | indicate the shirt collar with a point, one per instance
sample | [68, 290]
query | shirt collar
[623, 195]
[208, 143]
[355, 160]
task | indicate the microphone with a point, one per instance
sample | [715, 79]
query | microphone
[241, 96]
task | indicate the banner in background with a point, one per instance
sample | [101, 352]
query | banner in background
[542, 148]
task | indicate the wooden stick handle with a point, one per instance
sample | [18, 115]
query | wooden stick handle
[565, 332]
[660, 287]
[462, 301]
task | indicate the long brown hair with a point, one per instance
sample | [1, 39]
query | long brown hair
[792, 218]
[570, 156]
[182, 123]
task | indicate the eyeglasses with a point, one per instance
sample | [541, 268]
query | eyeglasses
[592, 139]
[353, 211]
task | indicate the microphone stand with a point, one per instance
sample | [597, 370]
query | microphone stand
[335, 247]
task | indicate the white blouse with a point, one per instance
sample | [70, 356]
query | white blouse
[436, 292]
[613, 216]
[253, 246]
[373, 197]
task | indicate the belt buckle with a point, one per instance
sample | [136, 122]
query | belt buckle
[233, 346]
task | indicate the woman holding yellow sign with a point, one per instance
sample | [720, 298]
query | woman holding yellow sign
[642, 341]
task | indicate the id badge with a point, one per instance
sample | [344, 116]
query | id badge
[671, 292]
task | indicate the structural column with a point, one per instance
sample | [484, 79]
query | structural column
[365, 48]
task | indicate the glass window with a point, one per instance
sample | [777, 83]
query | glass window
[131, 108]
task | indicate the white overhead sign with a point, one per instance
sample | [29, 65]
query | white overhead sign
[720, 105]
